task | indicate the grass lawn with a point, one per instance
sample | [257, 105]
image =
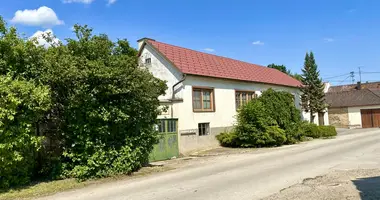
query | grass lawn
[48, 188]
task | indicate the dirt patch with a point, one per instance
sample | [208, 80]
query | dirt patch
[352, 184]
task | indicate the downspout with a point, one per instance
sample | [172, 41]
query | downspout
[173, 95]
[180, 81]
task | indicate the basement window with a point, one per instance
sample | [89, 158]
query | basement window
[203, 129]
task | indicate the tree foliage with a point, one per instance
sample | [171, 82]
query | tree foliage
[282, 68]
[313, 96]
[100, 105]
[22, 105]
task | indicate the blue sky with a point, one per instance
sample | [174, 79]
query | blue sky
[343, 34]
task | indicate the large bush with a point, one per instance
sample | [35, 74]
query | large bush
[281, 107]
[103, 106]
[270, 120]
[107, 105]
[22, 105]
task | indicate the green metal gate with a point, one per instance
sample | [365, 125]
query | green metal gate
[168, 142]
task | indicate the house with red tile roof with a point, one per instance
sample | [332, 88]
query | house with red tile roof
[205, 90]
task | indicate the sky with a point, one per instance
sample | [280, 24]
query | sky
[343, 34]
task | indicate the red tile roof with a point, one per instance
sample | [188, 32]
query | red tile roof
[197, 63]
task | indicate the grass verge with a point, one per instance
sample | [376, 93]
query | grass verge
[42, 189]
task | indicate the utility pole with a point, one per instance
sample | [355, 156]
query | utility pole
[352, 75]
[360, 74]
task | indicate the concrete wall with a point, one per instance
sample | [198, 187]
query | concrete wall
[338, 117]
[354, 115]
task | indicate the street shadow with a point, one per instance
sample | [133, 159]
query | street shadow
[369, 188]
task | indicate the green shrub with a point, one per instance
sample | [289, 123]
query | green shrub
[295, 133]
[327, 131]
[281, 108]
[22, 105]
[252, 122]
[228, 139]
[270, 120]
[315, 131]
[275, 136]
[311, 130]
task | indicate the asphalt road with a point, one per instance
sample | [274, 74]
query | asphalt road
[252, 175]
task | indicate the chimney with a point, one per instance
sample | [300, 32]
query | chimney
[359, 86]
[141, 41]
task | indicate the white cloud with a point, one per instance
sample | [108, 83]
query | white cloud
[328, 39]
[78, 1]
[209, 49]
[111, 2]
[43, 16]
[40, 40]
[258, 42]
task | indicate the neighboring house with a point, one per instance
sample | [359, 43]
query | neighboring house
[205, 90]
[354, 106]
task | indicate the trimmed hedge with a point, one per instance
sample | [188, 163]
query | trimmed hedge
[314, 131]
[327, 131]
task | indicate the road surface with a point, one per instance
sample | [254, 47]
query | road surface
[253, 175]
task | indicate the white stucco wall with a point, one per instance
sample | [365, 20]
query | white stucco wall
[224, 92]
[163, 70]
[306, 117]
[355, 117]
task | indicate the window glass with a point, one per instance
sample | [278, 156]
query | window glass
[197, 99]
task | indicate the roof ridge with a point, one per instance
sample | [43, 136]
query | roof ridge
[335, 86]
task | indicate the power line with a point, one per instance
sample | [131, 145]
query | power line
[370, 72]
[346, 78]
[337, 76]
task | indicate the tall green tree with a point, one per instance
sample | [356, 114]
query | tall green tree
[313, 96]
[281, 68]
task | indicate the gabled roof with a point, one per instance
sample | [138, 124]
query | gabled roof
[203, 64]
[353, 98]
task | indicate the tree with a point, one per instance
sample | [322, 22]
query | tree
[106, 105]
[83, 108]
[297, 76]
[313, 96]
[281, 68]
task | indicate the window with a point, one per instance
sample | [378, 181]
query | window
[161, 126]
[203, 129]
[148, 61]
[203, 100]
[172, 126]
[243, 97]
